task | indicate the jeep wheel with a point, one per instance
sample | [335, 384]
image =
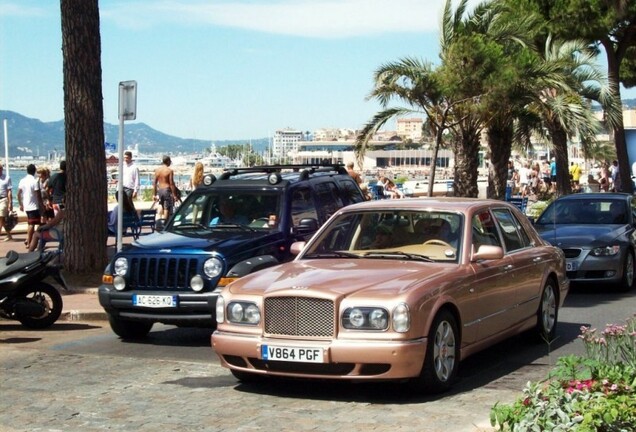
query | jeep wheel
[127, 329]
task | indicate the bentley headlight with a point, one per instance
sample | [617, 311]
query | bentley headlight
[121, 266]
[243, 313]
[401, 318]
[365, 318]
[606, 251]
[212, 267]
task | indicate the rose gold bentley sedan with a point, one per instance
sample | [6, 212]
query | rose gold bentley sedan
[394, 290]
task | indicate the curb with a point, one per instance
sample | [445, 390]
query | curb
[79, 315]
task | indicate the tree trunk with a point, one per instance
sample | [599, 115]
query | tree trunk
[467, 163]
[500, 143]
[624, 168]
[560, 147]
[431, 176]
[86, 196]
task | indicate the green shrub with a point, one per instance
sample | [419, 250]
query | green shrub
[595, 392]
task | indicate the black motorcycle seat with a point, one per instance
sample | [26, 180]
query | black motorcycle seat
[15, 261]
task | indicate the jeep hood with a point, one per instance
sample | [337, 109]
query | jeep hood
[347, 277]
[218, 239]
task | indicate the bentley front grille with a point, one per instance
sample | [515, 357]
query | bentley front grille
[299, 316]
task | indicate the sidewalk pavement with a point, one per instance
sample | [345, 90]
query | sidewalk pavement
[80, 302]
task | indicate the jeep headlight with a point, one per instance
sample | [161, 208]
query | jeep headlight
[365, 318]
[243, 313]
[121, 266]
[212, 267]
[606, 251]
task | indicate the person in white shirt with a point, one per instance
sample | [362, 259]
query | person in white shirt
[131, 176]
[30, 200]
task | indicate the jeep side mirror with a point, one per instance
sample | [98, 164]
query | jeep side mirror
[306, 226]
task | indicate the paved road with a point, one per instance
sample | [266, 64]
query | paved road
[79, 377]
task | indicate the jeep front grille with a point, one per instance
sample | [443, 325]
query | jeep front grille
[299, 316]
[162, 273]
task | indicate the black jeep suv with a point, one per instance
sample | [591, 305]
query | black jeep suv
[230, 226]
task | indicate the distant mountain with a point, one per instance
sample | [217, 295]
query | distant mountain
[629, 103]
[32, 137]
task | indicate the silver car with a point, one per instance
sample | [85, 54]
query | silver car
[596, 233]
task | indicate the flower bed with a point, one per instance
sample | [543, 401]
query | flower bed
[595, 392]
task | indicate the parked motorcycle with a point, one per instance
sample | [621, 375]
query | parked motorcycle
[24, 296]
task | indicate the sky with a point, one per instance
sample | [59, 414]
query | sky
[223, 70]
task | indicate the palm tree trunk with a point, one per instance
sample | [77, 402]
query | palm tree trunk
[500, 143]
[86, 196]
[560, 147]
[431, 176]
[618, 129]
[467, 164]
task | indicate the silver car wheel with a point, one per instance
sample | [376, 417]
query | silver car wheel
[444, 351]
[548, 309]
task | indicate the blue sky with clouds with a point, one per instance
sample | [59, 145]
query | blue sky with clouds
[229, 69]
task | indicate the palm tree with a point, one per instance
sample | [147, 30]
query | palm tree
[415, 84]
[562, 81]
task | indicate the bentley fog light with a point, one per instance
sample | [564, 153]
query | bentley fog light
[196, 283]
[401, 318]
[220, 309]
[121, 266]
[119, 283]
[212, 267]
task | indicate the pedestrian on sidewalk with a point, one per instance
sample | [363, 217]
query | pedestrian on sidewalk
[50, 231]
[6, 201]
[130, 178]
[57, 188]
[164, 190]
[30, 200]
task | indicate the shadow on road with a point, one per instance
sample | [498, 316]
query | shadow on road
[509, 364]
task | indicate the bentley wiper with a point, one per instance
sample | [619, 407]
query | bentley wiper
[398, 254]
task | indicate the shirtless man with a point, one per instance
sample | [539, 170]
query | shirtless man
[163, 189]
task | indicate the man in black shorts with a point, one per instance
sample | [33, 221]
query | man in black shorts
[164, 189]
[30, 200]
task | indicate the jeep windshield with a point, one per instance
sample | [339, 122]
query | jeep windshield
[390, 234]
[222, 210]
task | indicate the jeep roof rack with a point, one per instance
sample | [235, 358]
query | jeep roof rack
[306, 168]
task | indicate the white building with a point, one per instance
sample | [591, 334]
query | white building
[285, 143]
[410, 128]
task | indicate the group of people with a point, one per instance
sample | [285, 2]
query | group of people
[164, 190]
[389, 188]
[41, 198]
[531, 178]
